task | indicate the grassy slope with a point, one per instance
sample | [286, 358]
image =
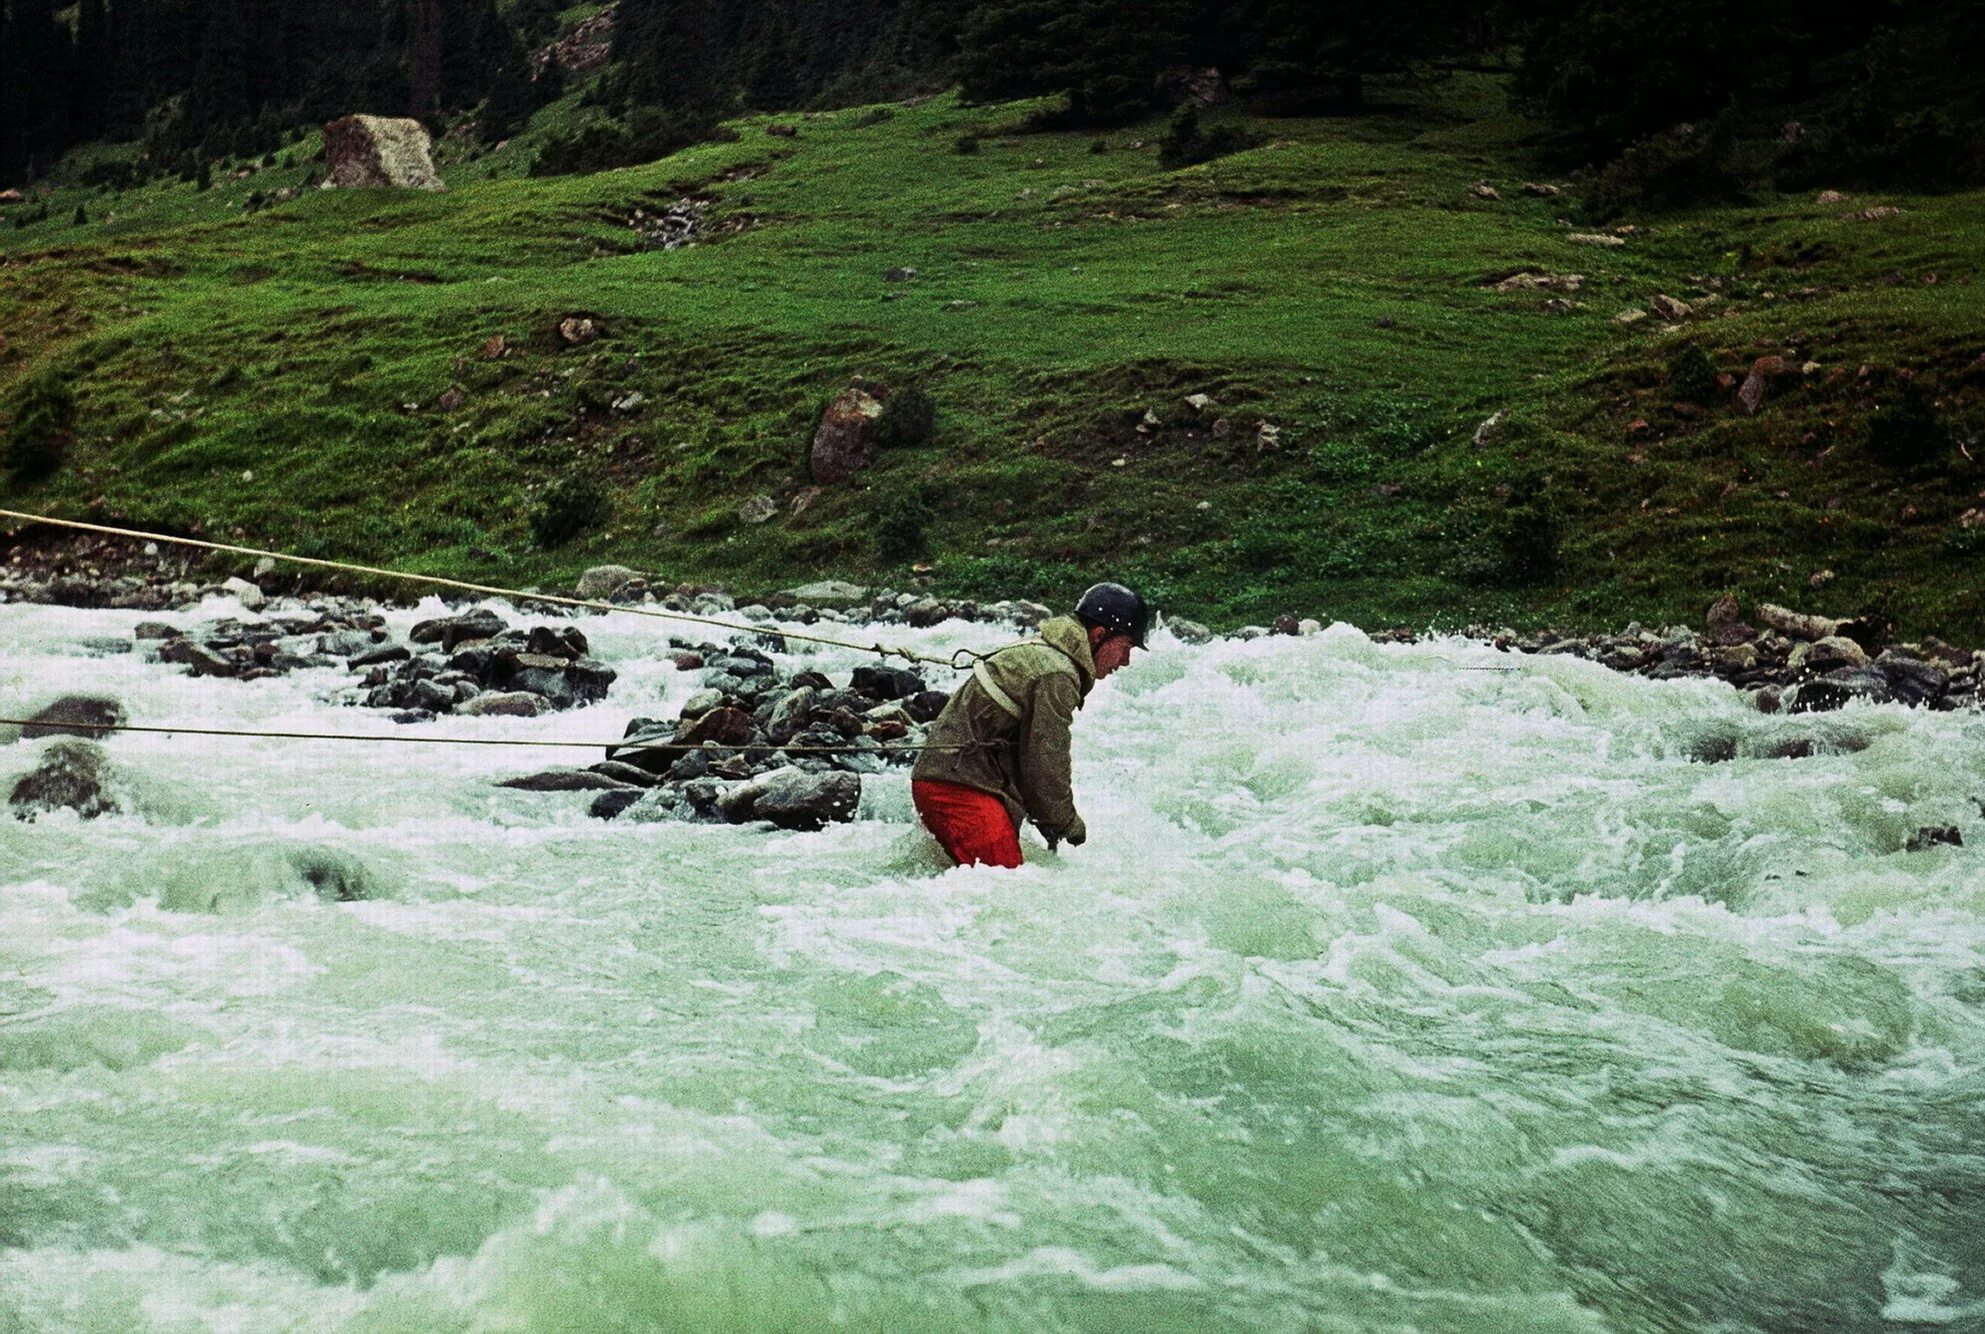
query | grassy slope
[279, 374]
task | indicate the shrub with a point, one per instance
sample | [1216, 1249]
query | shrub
[965, 144]
[43, 420]
[909, 419]
[1962, 541]
[1185, 144]
[1687, 165]
[1527, 532]
[1692, 375]
[1905, 430]
[902, 526]
[648, 135]
[568, 507]
[82, 217]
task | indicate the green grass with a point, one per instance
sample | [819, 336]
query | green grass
[280, 374]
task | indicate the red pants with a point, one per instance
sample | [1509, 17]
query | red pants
[973, 826]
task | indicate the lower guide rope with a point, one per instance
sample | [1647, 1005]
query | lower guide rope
[490, 590]
[58, 728]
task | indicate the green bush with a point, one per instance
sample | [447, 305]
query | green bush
[1684, 166]
[1186, 145]
[1905, 430]
[1962, 541]
[568, 507]
[965, 144]
[902, 527]
[909, 419]
[1527, 532]
[1692, 375]
[43, 419]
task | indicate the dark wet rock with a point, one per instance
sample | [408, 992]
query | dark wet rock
[203, 660]
[790, 715]
[612, 805]
[1912, 681]
[701, 795]
[155, 630]
[1836, 690]
[1935, 836]
[647, 745]
[566, 642]
[792, 798]
[568, 780]
[72, 775]
[689, 765]
[75, 715]
[625, 773]
[1830, 654]
[925, 705]
[1725, 622]
[448, 631]
[430, 696]
[886, 682]
[726, 726]
[380, 655]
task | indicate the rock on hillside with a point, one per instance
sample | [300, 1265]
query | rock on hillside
[373, 151]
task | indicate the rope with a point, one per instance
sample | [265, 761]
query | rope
[490, 590]
[56, 728]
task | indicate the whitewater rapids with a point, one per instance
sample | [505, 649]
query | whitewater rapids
[1386, 995]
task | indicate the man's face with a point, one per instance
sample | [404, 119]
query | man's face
[1112, 652]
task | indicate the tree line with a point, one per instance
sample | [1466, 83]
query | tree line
[1672, 97]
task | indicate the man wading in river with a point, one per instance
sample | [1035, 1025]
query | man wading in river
[1000, 749]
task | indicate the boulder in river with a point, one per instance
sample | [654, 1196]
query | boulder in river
[72, 775]
[505, 704]
[75, 715]
[565, 780]
[792, 798]
[448, 631]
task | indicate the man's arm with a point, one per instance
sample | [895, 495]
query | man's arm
[1046, 760]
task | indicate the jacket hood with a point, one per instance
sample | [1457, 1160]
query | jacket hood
[1067, 636]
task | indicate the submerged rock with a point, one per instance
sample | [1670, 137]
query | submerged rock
[565, 780]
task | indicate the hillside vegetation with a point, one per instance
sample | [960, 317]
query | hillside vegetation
[321, 374]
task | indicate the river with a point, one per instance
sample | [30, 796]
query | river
[1387, 995]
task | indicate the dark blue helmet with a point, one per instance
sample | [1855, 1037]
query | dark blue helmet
[1115, 607]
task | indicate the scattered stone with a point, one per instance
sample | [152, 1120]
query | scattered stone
[1484, 190]
[783, 131]
[612, 805]
[1542, 282]
[578, 331]
[1874, 214]
[1829, 197]
[603, 582]
[900, 275]
[1537, 190]
[758, 509]
[380, 656]
[727, 727]
[1200, 402]
[1827, 655]
[886, 683]
[1188, 632]
[1599, 239]
[1671, 310]
[831, 594]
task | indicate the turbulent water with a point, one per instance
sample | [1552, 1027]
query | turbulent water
[1386, 995]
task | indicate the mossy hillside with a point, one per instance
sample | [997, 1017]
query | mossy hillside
[283, 374]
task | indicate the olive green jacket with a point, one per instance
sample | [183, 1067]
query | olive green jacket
[1020, 699]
